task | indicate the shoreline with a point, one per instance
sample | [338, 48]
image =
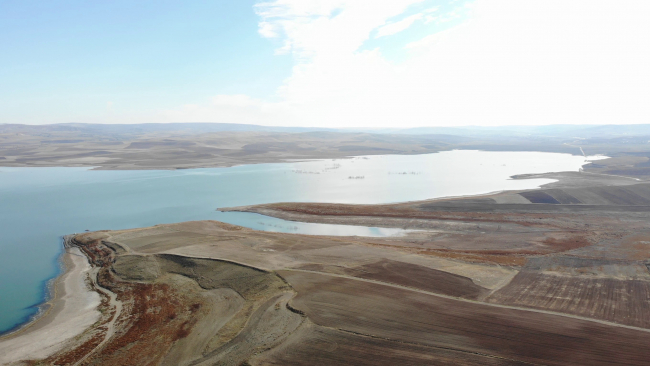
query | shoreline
[51, 291]
[43, 308]
[99, 166]
[71, 309]
[54, 289]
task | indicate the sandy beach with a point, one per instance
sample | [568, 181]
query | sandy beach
[73, 309]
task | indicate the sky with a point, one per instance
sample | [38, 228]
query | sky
[327, 63]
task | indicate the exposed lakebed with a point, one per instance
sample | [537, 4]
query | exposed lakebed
[39, 205]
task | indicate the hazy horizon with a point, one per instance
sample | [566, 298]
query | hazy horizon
[350, 128]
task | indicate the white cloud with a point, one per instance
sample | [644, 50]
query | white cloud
[514, 62]
[396, 27]
[267, 30]
[310, 29]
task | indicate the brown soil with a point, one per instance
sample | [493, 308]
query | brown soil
[156, 315]
[479, 257]
[420, 277]
[620, 301]
[160, 313]
[404, 316]
[317, 345]
[401, 211]
[210, 293]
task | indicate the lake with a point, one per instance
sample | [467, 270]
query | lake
[39, 205]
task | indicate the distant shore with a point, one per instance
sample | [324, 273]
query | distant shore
[71, 309]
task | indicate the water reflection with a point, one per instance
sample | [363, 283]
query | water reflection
[265, 223]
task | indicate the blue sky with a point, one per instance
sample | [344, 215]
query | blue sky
[365, 63]
[68, 56]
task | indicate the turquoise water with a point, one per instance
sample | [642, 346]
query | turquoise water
[39, 205]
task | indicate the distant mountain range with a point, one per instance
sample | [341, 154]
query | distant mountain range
[560, 131]
[564, 131]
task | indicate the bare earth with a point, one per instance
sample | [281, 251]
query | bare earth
[554, 276]
[201, 145]
[178, 150]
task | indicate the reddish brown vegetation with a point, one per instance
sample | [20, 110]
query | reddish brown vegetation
[513, 257]
[154, 316]
[77, 353]
[406, 212]
[152, 309]
[567, 238]
[561, 245]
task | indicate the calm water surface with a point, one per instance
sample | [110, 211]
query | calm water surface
[39, 205]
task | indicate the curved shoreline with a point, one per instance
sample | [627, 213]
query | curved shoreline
[52, 296]
[71, 310]
[49, 297]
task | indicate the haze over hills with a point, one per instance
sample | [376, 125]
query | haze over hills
[568, 131]
[565, 131]
[134, 129]
[195, 145]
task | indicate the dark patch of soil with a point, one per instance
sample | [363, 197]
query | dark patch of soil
[404, 316]
[412, 275]
[325, 346]
[539, 197]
